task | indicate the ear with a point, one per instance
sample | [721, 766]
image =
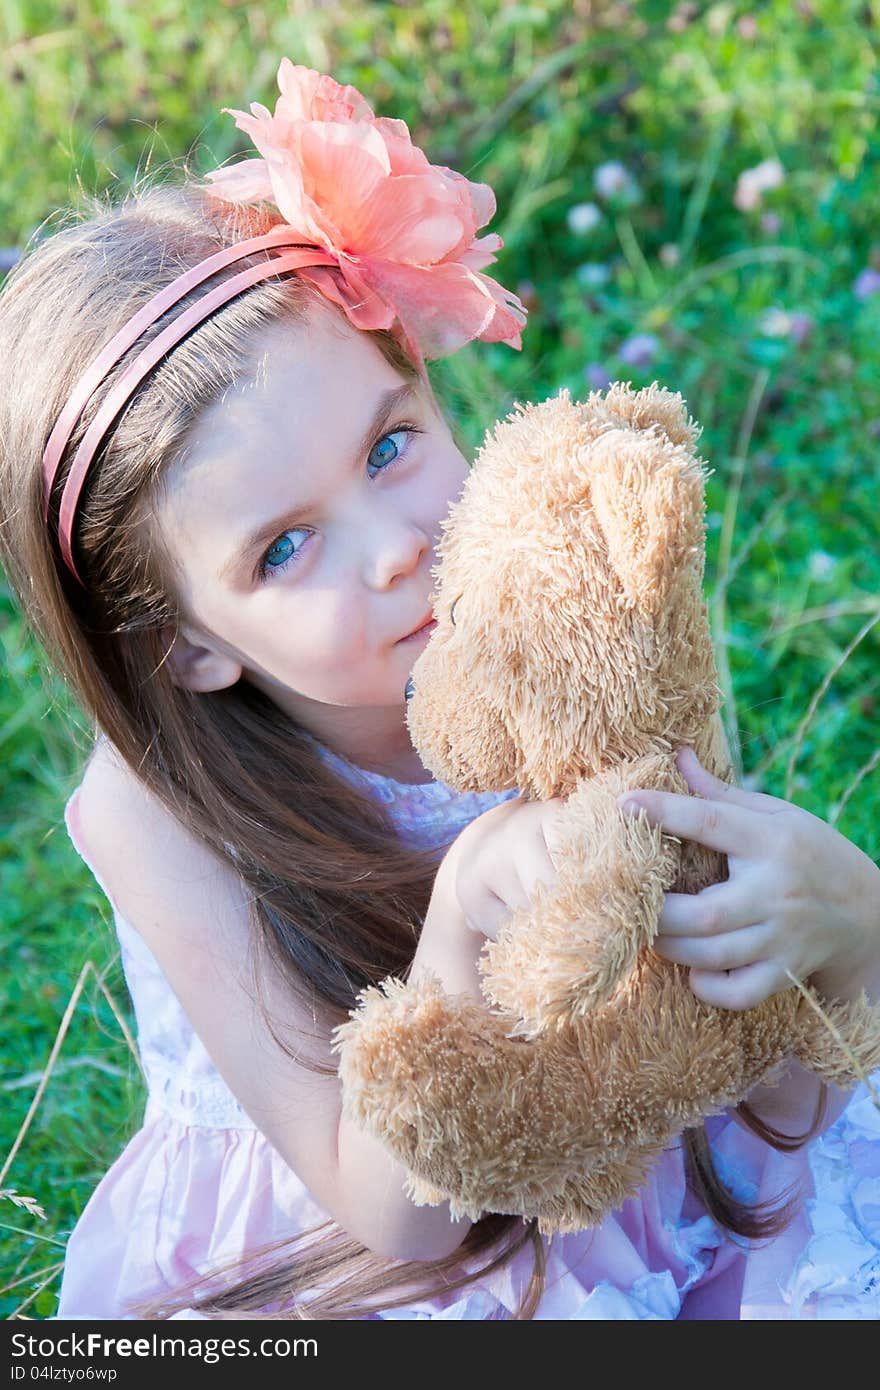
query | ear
[197, 666]
[648, 496]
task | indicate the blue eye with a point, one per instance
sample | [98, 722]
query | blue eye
[282, 553]
[383, 443]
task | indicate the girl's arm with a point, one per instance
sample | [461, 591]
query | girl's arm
[366, 1171]
[193, 912]
[800, 898]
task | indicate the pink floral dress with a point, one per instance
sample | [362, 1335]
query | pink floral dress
[199, 1183]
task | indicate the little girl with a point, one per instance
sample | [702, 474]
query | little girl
[223, 478]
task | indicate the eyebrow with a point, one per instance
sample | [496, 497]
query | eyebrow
[388, 404]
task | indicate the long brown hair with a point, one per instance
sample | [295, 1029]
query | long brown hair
[338, 897]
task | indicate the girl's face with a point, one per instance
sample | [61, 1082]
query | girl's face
[303, 523]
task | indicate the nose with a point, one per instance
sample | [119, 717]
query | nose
[398, 550]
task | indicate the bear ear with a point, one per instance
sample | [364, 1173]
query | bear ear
[640, 410]
[648, 496]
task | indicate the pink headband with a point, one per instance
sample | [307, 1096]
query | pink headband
[129, 380]
[375, 227]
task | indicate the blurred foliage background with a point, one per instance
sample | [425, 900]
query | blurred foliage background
[687, 193]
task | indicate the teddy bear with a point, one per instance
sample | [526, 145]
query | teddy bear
[572, 657]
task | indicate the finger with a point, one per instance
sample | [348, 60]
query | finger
[741, 989]
[732, 951]
[551, 821]
[720, 908]
[488, 916]
[706, 784]
[732, 830]
[536, 867]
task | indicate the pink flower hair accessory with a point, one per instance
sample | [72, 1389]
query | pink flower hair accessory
[401, 231]
[375, 227]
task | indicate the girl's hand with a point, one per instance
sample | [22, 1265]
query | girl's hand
[498, 859]
[800, 897]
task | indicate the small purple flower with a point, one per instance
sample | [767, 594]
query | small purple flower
[775, 323]
[582, 218]
[771, 223]
[684, 15]
[867, 283]
[800, 327]
[639, 350]
[753, 182]
[611, 179]
[597, 377]
[780, 323]
[528, 294]
[614, 183]
[592, 275]
[821, 565]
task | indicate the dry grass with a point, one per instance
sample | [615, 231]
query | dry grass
[836, 1035]
[30, 1204]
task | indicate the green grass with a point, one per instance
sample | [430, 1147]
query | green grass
[531, 99]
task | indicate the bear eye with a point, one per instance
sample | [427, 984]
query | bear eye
[452, 610]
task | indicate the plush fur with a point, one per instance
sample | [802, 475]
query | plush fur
[571, 659]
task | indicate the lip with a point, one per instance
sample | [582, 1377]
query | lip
[426, 621]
